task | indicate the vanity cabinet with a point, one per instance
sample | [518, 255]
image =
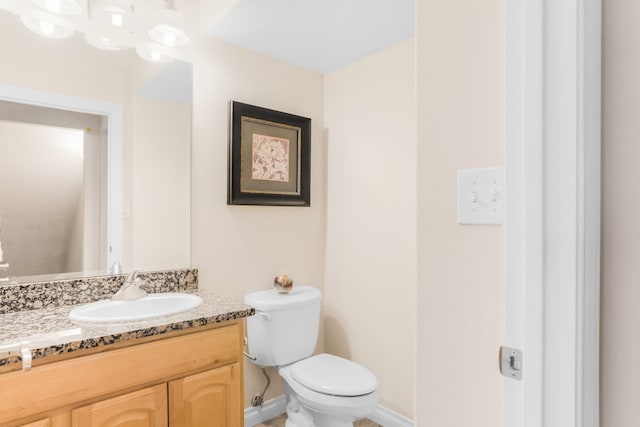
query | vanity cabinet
[189, 380]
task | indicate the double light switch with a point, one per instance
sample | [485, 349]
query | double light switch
[481, 196]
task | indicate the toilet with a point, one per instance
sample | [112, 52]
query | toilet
[322, 390]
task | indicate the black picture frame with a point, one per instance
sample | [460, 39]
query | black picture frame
[269, 157]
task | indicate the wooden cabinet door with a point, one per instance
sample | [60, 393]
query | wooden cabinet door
[142, 408]
[209, 399]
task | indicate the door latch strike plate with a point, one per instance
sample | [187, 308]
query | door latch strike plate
[511, 363]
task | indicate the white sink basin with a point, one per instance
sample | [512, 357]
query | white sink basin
[153, 305]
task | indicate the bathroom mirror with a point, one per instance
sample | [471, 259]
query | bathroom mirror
[71, 211]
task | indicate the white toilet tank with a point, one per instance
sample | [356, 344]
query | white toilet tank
[285, 326]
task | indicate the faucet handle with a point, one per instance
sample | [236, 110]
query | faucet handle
[130, 289]
[131, 277]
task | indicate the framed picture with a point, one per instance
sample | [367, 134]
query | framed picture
[269, 157]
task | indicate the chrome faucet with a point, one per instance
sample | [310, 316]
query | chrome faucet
[130, 289]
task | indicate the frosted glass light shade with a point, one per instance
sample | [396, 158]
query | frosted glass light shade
[64, 7]
[169, 31]
[46, 27]
[168, 35]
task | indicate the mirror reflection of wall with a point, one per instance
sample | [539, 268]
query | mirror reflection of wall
[52, 169]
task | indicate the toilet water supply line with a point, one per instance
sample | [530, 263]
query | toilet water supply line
[258, 399]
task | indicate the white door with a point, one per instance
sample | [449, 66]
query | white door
[552, 215]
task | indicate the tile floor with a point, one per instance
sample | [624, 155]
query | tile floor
[280, 421]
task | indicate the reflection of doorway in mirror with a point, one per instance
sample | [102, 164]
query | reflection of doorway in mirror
[42, 186]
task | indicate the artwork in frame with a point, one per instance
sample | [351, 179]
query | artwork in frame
[269, 157]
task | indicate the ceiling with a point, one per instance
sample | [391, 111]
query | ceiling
[318, 35]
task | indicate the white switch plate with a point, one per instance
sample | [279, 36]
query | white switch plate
[481, 196]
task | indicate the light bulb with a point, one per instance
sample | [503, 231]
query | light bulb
[116, 20]
[168, 35]
[170, 39]
[169, 31]
[115, 13]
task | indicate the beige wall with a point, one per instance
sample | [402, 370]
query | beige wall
[620, 293]
[460, 268]
[240, 249]
[160, 185]
[370, 270]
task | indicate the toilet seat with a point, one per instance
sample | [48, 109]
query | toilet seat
[353, 408]
[334, 376]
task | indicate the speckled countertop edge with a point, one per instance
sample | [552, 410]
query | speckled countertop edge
[48, 331]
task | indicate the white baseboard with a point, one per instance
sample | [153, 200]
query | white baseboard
[387, 418]
[271, 409]
[278, 406]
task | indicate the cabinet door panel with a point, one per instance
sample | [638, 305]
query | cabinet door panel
[209, 399]
[143, 408]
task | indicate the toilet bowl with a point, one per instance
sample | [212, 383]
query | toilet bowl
[322, 390]
[331, 387]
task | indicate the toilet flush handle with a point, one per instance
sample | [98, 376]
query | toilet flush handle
[245, 341]
[249, 356]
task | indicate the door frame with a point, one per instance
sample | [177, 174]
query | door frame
[552, 215]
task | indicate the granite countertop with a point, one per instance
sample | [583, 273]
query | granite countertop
[48, 331]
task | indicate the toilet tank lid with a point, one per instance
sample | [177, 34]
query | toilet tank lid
[271, 300]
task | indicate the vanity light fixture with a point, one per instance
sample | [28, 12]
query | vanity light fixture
[155, 34]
